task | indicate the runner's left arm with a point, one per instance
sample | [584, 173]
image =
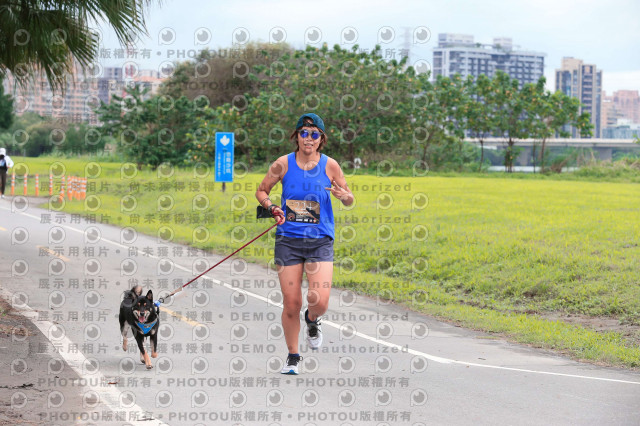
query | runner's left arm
[339, 187]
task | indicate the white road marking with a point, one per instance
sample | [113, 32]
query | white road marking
[373, 339]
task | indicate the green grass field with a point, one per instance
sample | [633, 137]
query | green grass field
[495, 254]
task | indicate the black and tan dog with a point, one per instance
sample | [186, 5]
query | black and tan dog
[142, 316]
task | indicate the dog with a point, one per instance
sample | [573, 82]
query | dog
[138, 313]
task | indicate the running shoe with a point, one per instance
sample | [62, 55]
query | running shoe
[314, 331]
[291, 366]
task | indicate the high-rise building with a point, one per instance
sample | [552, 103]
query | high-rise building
[458, 53]
[582, 81]
[624, 103]
[110, 82]
[621, 114]
[608, 110]
[85, 89]
[75, 105]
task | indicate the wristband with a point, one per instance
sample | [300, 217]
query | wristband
[270, 209]
[265, 199]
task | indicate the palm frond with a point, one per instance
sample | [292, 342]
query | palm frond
[51, 36]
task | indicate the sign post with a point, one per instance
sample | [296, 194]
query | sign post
[224, 157]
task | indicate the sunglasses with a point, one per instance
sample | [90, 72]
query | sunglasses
[304, 133]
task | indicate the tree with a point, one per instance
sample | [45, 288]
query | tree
[6, 108]
[152, 131]
[360, 95]
[47, 36]
[359, 92]
[439, 111]
[480, 113]
[509, 107]
[257, 136]
[16, 139]
[553, 112]
[81, 139]
[222, 75]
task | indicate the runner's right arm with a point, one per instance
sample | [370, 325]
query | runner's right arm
[274, 175]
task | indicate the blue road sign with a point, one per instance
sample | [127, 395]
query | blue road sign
[224, 156]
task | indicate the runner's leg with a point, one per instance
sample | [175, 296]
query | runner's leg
[320, 276]
[3, 180]
[291, 287]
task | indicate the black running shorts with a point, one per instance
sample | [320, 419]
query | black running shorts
[292, 251]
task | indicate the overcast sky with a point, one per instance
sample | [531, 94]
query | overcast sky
[604, 33]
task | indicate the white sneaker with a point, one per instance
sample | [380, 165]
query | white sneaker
[2, 195]
[314, 331]
[291, 365]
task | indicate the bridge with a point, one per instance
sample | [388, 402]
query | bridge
[603, 147]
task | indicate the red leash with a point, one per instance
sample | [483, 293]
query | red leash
[162, 299]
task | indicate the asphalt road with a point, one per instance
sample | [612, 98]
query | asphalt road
[222, 346]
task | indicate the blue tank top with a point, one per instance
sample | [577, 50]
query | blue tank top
[305, 201]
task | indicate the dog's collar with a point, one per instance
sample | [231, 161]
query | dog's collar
[146, 328]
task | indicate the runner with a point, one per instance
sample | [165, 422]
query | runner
[5, 165]
[305, 233]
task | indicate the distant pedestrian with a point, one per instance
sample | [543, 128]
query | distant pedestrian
[5, 164]
[305, 233]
